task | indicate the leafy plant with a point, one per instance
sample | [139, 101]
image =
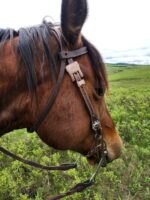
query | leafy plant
[125, 178]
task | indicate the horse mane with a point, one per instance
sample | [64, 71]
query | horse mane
[33, 43]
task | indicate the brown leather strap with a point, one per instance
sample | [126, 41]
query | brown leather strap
[62, 167]
[73, 54]
[76, 75]
[58, 36]
[84, 94]
[94, 119]
[80, 187]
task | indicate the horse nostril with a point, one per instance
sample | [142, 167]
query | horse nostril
[108, 159]
[114, 152]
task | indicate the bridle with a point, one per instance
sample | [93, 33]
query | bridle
[74, 71]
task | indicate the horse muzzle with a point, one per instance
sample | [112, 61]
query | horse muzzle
[108, 154]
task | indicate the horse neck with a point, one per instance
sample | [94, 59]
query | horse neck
[14, 98]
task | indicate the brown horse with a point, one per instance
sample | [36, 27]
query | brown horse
[29, 68]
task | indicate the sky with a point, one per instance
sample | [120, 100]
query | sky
[114, 26]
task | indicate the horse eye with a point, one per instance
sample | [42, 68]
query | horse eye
[100, 91]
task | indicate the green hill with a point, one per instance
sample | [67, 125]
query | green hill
[129, 75]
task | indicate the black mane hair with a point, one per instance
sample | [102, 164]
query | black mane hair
[28, 48]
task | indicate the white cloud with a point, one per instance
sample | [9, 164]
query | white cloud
[112, 24]
[119, 24]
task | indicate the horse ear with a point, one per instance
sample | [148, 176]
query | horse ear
[73, 16]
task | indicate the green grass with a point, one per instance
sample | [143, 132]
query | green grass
[125, 179]
[129, 76]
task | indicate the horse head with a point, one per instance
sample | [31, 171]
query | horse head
[32, 63]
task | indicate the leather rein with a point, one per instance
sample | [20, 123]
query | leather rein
[73, 69]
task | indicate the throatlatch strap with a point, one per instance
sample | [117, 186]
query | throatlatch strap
[51, 99]
[62, 167]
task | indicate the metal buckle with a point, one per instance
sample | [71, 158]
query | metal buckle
[74, 68]
[80, 83]
[96, 125]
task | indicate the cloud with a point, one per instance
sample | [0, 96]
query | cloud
[112, 25]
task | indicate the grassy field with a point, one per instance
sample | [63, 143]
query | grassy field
[125, 179]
